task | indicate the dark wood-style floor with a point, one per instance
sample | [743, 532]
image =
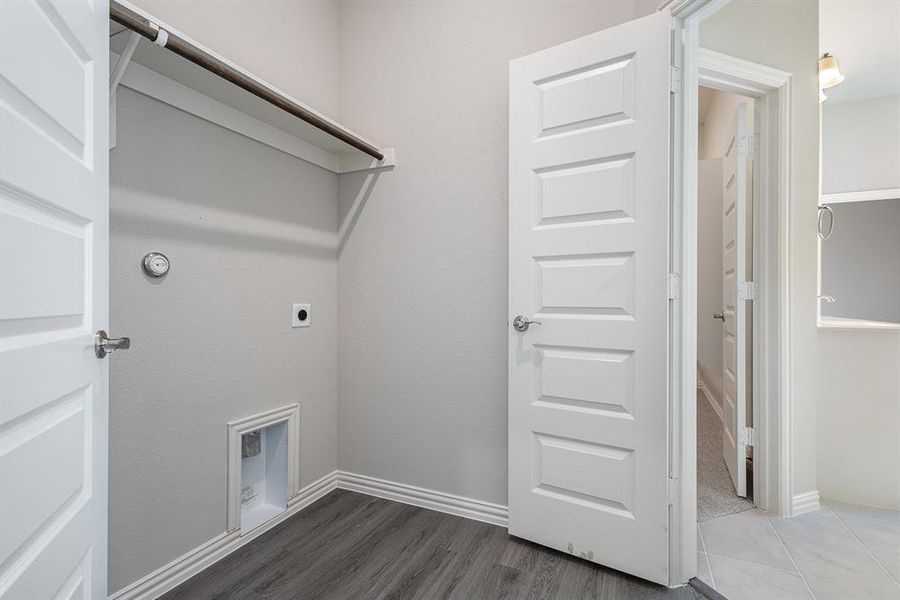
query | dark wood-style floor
[352, 546]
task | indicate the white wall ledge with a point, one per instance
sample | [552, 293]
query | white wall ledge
[848, 324]
[861, 196]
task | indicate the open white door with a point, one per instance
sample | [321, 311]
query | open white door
[735, 293]
[588, 260]
[54, 293]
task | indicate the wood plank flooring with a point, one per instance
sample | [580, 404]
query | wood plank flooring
[353, 546]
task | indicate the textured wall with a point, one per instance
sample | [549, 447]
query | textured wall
[292, 44]
[715, 132]
[859, 417]
[423, 272]
[861, 261]
[249, 230]
[861, 145]
[791, 44]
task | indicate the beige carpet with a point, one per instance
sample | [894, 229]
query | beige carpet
[715, 491]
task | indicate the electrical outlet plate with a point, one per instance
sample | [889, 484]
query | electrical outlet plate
[296, 321]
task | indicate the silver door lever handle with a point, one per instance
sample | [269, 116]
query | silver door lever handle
[719, 316]
[521, 323]
[103, 344]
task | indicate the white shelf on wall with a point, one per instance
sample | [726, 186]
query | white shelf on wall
[850, 324]
[162, 74]
[861, 196]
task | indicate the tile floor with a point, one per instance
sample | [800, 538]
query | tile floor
[839, 552]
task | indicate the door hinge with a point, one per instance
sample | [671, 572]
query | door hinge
[748, 290]
[674, 286]
[674, 79]
[748, 144]
[748, 437]
[674, 489]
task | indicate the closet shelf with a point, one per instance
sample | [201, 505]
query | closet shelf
[159, 61]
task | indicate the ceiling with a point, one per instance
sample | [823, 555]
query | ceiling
[864, 35]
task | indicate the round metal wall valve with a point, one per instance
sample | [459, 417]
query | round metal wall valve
[155, 264]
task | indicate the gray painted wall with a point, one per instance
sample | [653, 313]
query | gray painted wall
[423, 273]
[861, 145]
[715, 131]
[292, 44]
[249, 230]
[861, 261]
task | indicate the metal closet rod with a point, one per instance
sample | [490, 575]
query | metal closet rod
[150, 30]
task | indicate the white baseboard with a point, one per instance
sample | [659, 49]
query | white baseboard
[186, 566]
[707, 393]
[478, 510]
[805, 502]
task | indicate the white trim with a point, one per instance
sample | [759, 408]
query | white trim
[710, 397]
[193, 562]
[286, 414]
[736, 75]
[805, 502]
[772, 335]
[478, 510]
[687, 16]
[860, 196]
[771, 348]
[168, 91]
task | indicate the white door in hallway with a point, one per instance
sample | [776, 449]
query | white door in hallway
[735, 294]
[54, 103]
[588, 263]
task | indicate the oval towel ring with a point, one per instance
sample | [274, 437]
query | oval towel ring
[824, 235]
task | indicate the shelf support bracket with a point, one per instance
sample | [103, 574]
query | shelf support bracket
[353, 163]
[119, 70]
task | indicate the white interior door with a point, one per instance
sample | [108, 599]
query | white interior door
[53, 296]
[588, 259]
[735, 294]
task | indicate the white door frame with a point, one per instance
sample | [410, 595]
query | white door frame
[772, 269]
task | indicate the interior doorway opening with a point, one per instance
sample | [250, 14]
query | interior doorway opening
[727, 135]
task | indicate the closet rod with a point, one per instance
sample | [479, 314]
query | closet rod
[150, 30]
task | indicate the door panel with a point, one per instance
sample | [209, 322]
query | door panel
[735, 257]
[589, 201]
[53, 296]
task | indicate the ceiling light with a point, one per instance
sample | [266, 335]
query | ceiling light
[829, 72]
[822, 97]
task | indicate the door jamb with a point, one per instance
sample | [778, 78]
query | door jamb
[770, 88]
[772, 337]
